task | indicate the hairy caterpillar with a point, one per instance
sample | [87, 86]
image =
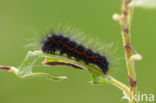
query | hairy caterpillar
[64, 45]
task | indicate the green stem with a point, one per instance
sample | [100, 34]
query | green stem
[126, 19]
[120, 85]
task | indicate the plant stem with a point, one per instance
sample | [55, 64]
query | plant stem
[125, 23]
[120, 85]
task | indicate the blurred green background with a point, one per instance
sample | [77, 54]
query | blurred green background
[21, 21]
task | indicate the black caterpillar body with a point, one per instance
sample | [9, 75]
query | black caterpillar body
[66, 46]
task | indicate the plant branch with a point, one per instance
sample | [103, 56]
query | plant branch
[125, 20]
[114, 82]
[25, 70]
[91, 68]
[125, 23]
[120, 85]
[9, 69]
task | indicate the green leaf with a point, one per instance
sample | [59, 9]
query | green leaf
[53, 62]
[143, 3]
[64, 60]
[98, 77]
[25, 69]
